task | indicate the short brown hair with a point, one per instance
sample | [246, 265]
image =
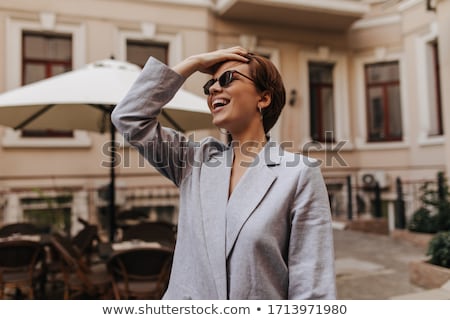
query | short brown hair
[267, 78]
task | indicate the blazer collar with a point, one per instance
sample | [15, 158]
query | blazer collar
[214, 186]
[250, 191]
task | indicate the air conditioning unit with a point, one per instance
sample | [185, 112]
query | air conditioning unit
[368, 178]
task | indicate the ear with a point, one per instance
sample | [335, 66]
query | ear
[264, 100]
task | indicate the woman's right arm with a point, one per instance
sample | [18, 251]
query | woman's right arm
[206, 62]
[135, 117]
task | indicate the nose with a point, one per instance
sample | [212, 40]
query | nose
[215, 88]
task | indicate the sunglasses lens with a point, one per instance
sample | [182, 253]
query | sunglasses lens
[226, 78]
[208, 85]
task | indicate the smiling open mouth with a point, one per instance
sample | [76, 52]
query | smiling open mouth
[219, 103]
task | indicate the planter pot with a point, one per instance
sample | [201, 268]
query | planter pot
[418, 239]
[427, 275]
[372, 225]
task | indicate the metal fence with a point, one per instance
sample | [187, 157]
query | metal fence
[397, 201]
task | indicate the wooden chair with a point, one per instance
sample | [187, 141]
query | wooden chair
[132, 214]
[162, 232]
[84, 241]
[79, 279]
[140, 273]
[18, 228]
[22, 266]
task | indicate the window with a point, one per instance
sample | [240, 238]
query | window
[52, 212]
[435, 109]
[384, 118]
[321, 101]
[139, 51]
[26, 42]
[323, 84]
[45, 55]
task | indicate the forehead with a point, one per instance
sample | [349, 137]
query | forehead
[231, 65]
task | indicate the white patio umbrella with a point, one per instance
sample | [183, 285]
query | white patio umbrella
[83, 100]
[66, 101]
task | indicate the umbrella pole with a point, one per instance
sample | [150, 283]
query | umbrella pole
[112, 185]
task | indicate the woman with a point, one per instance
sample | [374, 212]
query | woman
[254, 220]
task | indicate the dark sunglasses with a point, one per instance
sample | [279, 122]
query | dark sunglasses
[224, 80]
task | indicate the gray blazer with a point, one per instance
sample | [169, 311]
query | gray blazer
[272, 239]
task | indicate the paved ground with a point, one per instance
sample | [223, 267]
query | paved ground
[371, 266]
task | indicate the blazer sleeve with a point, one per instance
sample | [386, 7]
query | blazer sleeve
[311, 249]
[135, 117]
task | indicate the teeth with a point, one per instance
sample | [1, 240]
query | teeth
[219, 103]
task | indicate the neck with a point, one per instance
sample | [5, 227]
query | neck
[247, 147]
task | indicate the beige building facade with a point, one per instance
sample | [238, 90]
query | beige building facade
[367, 93]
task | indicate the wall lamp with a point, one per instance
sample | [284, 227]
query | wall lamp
[431, 5]
[292, 97]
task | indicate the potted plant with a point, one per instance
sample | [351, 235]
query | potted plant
[432, 216]
[434, 213]
[439, 249]
[436, 271]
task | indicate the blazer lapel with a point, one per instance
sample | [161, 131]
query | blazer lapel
[214, 184]
[250, 191]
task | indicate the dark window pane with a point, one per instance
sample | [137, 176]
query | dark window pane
[376, 114]
[34, 72]
[384, 117]
[395, 113]
[139, 51]
[47, 47]
[27, 133]
[45, 55]
[320, 73]
[327, 109]
[382, 72]
[321, 98]
[434, 81]
[58, 69]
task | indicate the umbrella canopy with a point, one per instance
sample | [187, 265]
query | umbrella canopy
[83, 100]
[66, 101]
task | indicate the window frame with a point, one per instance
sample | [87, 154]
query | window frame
[322, 137]
[174, 42]
[340, 94]
[379, 54]
[48, 63]
[152, 43]
[436, 67]
[423, 70]
[14, 72]
[384, 86]
[14, 29]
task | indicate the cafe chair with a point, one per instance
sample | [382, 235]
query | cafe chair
[22, 267]
[80, 280]
[84, 241]
[131, 214]
[161, 232]
[23, 228]
[141, 273]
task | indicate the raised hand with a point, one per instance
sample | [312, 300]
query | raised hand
[206, 62]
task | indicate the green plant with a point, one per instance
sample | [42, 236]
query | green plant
[434, 213]
[49, 210]
[423, 221]
[439, 249]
